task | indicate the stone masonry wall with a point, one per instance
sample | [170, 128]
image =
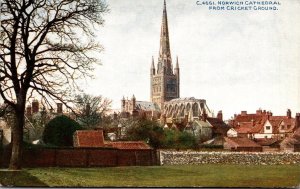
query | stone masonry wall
[243, 158]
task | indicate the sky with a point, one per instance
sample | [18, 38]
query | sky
[235, 60]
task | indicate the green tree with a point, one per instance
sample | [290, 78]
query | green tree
[59, 131]
[146, 130]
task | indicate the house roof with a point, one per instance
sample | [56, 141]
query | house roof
[266, 141]
[137, 145]
[248, 118]
[252, 123]
[89, 138]
[294, 139]
[241, 142]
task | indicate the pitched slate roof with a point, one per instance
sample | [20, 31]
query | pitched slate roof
[88, 138]
[137, 145]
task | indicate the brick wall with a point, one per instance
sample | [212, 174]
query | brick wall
[243, 158]
[82, 157]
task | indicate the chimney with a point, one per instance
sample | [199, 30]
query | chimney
[28, 111]
[220, 115]
[297, 121]
[258, 112]
[59, 108]
[35, 106]
[289, 114]
[268, 115]
[243, 113]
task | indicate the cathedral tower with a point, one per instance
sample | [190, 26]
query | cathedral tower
[164, 80]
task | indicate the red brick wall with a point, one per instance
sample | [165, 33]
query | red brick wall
[103, 158]
[39, 158]
[83, 157]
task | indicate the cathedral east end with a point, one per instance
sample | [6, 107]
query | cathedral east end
[166, 104]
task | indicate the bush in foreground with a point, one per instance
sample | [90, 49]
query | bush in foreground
[59, 131]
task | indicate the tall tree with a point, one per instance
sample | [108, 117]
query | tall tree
[44, 48]
[90, 110]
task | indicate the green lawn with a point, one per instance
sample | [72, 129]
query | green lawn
[185, 175]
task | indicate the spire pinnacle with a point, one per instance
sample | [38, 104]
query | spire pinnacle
[152, 64]
[164, 35]
[177, 63]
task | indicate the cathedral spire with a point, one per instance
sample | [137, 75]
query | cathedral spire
[177, 63]
[152, 64]
[164, 35]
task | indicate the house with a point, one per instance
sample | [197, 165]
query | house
[291, 143]
[241, 144]
[278, 127]
[202, 130]
[264, 125]
[219, 127]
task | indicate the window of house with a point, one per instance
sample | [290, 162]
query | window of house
[268, 127]
[289, 126]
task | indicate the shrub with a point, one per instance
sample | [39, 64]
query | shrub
[146, 130]
[59, 131]
[179, 140]
[157, 137]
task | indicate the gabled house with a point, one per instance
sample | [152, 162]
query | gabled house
[264, 125]
[202, 130]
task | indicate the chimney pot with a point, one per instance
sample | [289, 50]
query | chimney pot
[243, 113]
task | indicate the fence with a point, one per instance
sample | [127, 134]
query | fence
[83, 157]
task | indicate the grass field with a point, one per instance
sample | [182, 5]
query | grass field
[185, 176]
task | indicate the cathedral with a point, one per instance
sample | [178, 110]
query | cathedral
[165, 102]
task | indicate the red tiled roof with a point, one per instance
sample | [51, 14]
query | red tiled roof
[248, 118]
[88, 138]
[241, 142]
[137, 145]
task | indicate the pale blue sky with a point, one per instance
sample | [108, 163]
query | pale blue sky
[235, 60]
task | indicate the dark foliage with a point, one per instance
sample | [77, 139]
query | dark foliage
[59, 131]
[153, 133]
